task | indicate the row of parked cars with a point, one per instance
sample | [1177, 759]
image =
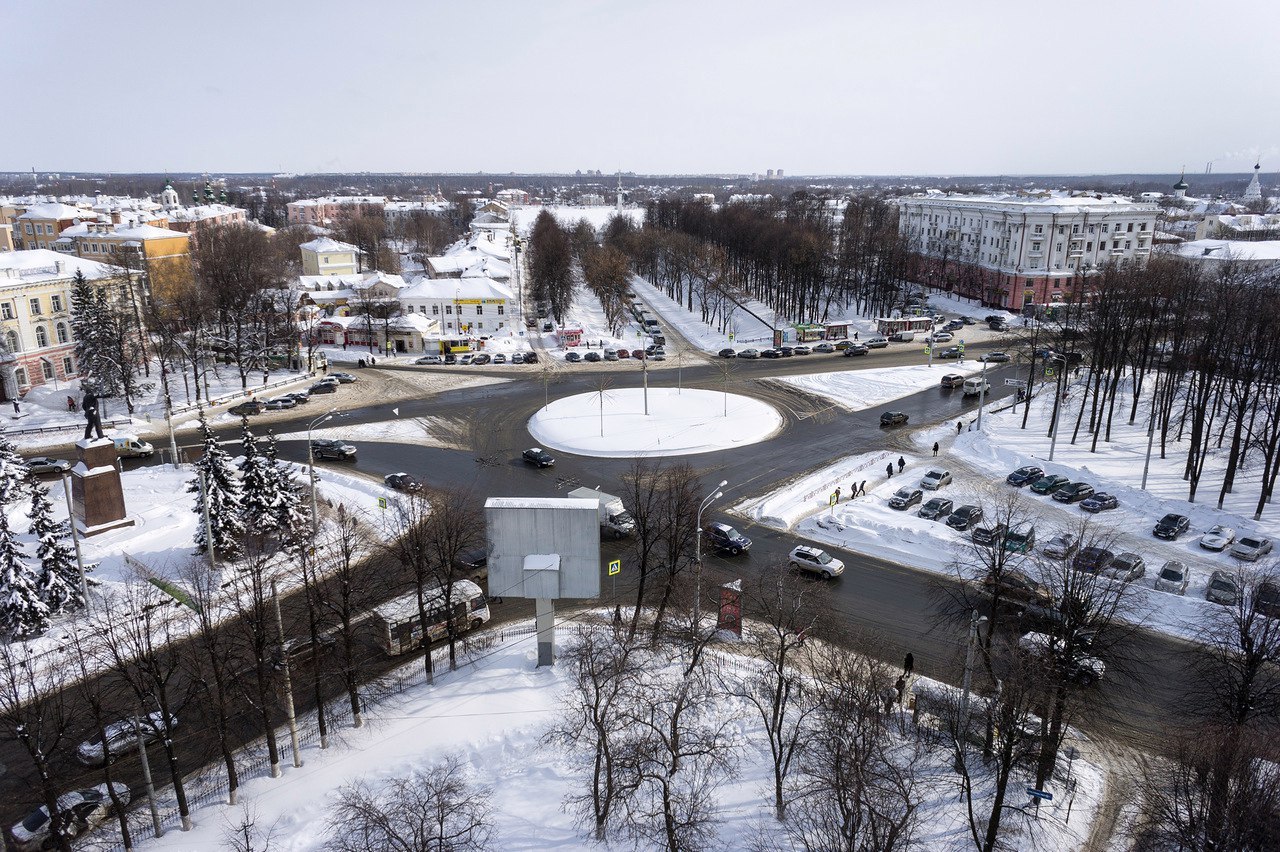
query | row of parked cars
[479, 359]
[847, 348]
[286, 401]
[653, 351]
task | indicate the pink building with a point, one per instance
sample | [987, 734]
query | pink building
[322, 211]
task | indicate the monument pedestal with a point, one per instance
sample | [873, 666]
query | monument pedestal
[97, 498]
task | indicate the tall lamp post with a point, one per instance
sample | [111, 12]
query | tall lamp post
[311, 466]
[697, 553]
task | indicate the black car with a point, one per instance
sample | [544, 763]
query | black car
[473, 561]
[1171, 526]
[949, 352]
[905, 498]
[726, 539]
[593, 357]
[936, 509]
[1267, 599]
[572, 357]
[728, 353]
[855, 349]
[323, 387]
[300, 397]
[1024, 475]
[1100, 502]
[244, 409]
[402, 482]
[771, 353]
[450, 358]
[1073, 493]
[1093, 560]
[538, 456]
[991, 536]
[323, 448]
[964, 518]
[531, 357]
[786, 351]
[481, 359]
[893, 418]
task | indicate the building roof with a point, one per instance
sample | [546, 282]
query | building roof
[352, 283]
[56, 210]
[328, 244]
[1047, 202]
[128, 231]
[200, 212]
[38, 265]
[1247, 251]
[446, 289]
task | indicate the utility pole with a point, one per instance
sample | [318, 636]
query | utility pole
[982, 393]
[288, 681]
[1057, 405]
[697, 554]
[146, 774]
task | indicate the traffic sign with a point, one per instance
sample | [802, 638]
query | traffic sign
[1039, 794]
[927, 349]
[833, 498]
[615, 567]
[1015, 383]
[382, 502]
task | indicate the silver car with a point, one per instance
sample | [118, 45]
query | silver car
[935, 479]
[1173, 577]
[1061, 545]
[1127, 567]
[79, 811]
[122, 737]
[1251, 548]
[43, 464]
[1223, 589]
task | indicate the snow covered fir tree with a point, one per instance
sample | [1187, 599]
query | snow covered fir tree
[59, 581]
[23, 612]
[223, 492]
[271, 510]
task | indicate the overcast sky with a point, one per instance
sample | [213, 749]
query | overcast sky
[851, 87]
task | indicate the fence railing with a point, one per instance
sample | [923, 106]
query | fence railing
[41, 430]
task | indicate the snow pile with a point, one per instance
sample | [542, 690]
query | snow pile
[786, 506]
[855, 390]
[679, 422]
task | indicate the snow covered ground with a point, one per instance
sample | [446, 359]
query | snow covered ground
[979, 462]
[493, 712]
[569, 215]
[679, 422]
[855, 390]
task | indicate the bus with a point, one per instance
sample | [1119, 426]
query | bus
[399, 629]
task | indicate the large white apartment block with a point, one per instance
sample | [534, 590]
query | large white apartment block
[1015, 251]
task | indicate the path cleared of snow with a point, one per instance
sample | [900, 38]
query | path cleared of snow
[679, 422]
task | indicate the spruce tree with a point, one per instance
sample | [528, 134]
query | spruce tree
[22, 613]
[223, 491]
[14, 474]
[258, 489]
[59, 580]
[293, 513]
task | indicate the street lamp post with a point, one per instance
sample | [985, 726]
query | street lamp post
[311, 466]
[974, 621]
[1057, 404]
[697, 554]
[982, 393]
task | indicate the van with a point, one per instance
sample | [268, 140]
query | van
[976, 385]
[903, 336]
[129, 447]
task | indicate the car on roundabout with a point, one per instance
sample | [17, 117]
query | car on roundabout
[343, 378]
[329, 448]
[894, 418]
[247, 408]
[281, 403]
[538, 457]
[995, 357]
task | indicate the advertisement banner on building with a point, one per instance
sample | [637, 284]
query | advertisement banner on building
[730, 617]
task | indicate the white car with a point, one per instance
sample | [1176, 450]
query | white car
[1083, 668]
[1061, 545]
[1173, 577]
[1218, 538]
[122, 738]
[815, 561]
[79, 812]
[935, 479]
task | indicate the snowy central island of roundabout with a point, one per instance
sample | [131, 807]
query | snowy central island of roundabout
[680, 422]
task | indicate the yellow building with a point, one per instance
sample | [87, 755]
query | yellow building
[326, 256]
[39, 225]
[161, 252]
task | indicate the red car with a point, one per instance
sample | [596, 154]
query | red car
[623, 353]
[637, 353]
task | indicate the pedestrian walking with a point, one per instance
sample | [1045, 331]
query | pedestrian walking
[888, 470]
[837, 493]
[935, 449]
[373, 361]
[901, 463]
[909, 665]
[862, 488]
[855, 335]
[959, 427]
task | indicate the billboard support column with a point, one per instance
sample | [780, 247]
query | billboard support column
[545, 619]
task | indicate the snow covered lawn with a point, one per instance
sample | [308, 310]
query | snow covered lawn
[855, 390]
[679, 422]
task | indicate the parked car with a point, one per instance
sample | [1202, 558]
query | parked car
[79, 812]
[770, 353]
[1126, 568]
[1251, 548]
[638, 354]
[995, 357]
[728, 353]
[1093, 560]
[1100, 502]
[964, 518]
[801, 350]
[952, 380]
[572, 357]
[1171, 526]
[967, 320]
[935, 479]
[300, 651]
[1049, 483]
[842, 345]
[991, 535]
[876, 342]
[1173, 577]
[450, 358]
[323, 387]
[300, 397]
[1223, 588]
[473, 560]
[815, 561]
[402, 482]
[429, 359]
[893, 418]
[749, 354]
[1017, 587]
[1061, 545]
[326, 448]
[538, 456]
[824, 348]
[726, 539]
[531, 357]
[904, 498]
[344, 378]
[499, 358]
[786, 351]
[593, 356]
[281, 403]
[480, 359]
[1085, 669]
[1267, 599]
[659, 355]
[1073, 492]
[1020, 539]
[937, 509]
[624, 354]
[517, 357]
[247, 408]
[1024, 475]
[611, 354]
[41, 465]
[1218, 538]
[856, 349]
[122, 738]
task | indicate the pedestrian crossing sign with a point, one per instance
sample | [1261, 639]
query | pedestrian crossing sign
[615, 567]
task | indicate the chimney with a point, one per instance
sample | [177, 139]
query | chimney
[60, 266]
[115, 215]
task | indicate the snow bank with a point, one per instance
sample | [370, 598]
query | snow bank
[786, 506]
[855, 390]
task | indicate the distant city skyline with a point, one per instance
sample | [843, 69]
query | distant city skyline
[653, 88]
